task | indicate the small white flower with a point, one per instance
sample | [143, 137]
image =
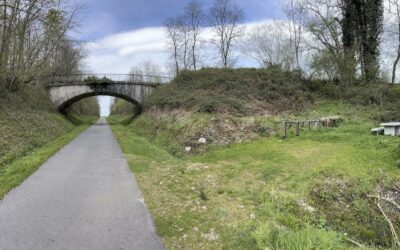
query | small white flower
[188, 149]
[202, 140]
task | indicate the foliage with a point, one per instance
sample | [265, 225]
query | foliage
[86, 107]
[346, 36]
[124, 108]
[97, 80]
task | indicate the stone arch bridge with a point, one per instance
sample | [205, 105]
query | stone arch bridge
[66, 90]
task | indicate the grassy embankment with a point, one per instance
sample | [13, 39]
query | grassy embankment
[315, 191]
[31, 131]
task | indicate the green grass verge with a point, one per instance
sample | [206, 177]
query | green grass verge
[308, 192]
[15, 172]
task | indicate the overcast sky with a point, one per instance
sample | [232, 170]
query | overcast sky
[119, 34]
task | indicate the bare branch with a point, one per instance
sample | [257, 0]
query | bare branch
[226, 17]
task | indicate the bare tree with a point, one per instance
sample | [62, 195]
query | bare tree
[270, 45]
[31, 31]
[183, 33]
[226, 17]
[173, 27]
[184, 30]
[194, 17]
[66, 59]
[145, 71]
[323, 21]
[294, 11]
[394, 11]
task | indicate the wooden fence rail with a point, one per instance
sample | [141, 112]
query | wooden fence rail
[331, 121]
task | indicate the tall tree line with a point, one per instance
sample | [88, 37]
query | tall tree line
[33, 40]
[344, 37]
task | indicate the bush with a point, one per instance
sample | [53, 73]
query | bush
[97, 80]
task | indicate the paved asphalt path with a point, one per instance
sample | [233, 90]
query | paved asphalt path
[84, 197]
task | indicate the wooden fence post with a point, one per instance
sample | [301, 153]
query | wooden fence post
[284, 130]
[297, 128]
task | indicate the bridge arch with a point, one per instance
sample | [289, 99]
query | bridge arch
[63, 107]
[66, 90]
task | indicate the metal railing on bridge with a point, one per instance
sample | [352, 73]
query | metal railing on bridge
[108, 78]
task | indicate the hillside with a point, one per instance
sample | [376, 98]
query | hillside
[235, 105]
[243, 187]
[29, 122]
[236, 91]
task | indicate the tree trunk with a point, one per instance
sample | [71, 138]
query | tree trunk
[397, 59]
[395, 66]
[194, 55]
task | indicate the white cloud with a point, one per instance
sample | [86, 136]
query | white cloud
[117, 53]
